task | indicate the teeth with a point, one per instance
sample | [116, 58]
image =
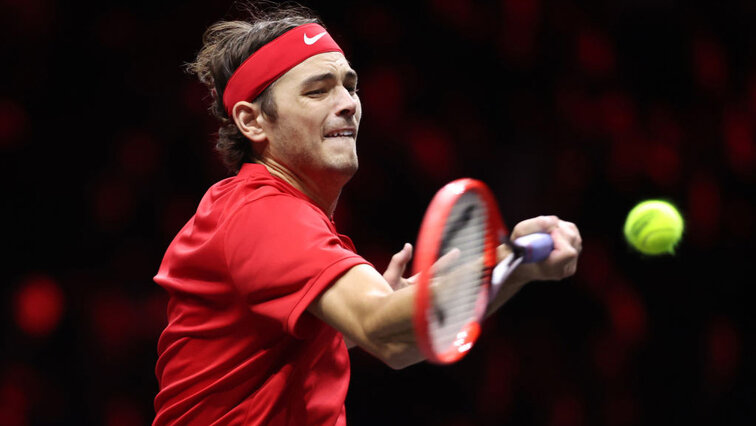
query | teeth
[339, 134]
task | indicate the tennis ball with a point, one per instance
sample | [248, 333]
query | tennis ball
[654, 227]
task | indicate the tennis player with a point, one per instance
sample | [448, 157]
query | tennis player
[264, 291]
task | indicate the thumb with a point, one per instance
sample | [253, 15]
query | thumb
[398, 264]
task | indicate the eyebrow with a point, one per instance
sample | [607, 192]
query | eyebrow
[350, 75]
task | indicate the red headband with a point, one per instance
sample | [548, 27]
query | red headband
[273, 60]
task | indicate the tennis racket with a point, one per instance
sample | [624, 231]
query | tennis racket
[455, 258]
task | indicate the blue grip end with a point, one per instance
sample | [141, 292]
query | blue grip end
[536, 247]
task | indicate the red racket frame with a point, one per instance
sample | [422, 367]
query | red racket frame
[427, 253]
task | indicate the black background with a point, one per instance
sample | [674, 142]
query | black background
[579, 109]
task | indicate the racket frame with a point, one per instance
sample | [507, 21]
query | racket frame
[429, 243]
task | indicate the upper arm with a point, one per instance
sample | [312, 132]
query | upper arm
[347, 303]
[279, 263]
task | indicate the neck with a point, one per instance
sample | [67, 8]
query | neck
[324, 193]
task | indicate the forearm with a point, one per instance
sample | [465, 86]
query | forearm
[508, 289]
[369, 313]
[389, 329]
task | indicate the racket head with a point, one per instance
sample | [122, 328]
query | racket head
[451, 299]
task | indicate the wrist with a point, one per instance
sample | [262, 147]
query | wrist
[519, 277]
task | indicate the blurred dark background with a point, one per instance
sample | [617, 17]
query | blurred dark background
[574, 108]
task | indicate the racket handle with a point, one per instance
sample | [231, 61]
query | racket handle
[536, 247]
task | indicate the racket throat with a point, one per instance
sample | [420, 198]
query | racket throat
[501, 272]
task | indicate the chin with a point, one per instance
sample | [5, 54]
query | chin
[346, 167]
[350, 169]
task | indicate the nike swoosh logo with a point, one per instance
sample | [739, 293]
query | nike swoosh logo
[311, 40]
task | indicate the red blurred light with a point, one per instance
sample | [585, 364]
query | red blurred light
[739, 142]
[520, 22]
[618, 113]
[459, 12]
[526, 12]
[123, 412]
[580, 111]
[31, 18]
[38, 305]
[628, 316]
[432, 151]
[662, 156]
[621, 411]
[377, 24]
[139, 154]
[115, 321]
[113, 203]
[704, 210]
[155, 318]
[116, 29]
[626, 158]
[740, 219]
[383, 94]
[596, 267]
[663, 164]
[710, 65]
[14, 404]
[723, 346]
[595, 53]
[14, 122]
[496, 393]
[567, 410]
[177, 210]
[752, 95]
[610, 357]
[572, 170]
[196, 99]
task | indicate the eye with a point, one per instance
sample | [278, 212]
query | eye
[352, 89]
[316, 92]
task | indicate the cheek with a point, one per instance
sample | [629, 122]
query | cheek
[303, 126]
[358, 113]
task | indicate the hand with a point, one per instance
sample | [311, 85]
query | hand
[396, 267]
[562, 262]
[399, 261]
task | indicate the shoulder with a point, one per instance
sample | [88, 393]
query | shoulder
[278, 206]
[279, 216]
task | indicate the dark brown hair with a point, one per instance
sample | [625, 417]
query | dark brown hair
[225, 45]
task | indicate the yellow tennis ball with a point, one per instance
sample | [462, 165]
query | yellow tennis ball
[654, 227]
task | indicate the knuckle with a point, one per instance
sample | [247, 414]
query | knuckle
[569, 269]
[550, 219]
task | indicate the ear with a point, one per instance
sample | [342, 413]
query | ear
[248, 118]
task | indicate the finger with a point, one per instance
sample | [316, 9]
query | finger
[563, 259]
[572, 234]
[502, 252]
[398, 264]
[446, 260]
[533, 225]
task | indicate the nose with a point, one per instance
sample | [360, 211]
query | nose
[346, 103]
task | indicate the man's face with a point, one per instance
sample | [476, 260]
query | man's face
[318, 116]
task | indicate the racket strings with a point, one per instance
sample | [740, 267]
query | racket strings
[457, 281]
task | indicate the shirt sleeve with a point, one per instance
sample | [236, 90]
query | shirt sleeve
[281, 255]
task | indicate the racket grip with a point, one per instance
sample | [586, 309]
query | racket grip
[536, 247]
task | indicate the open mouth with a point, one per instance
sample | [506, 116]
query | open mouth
[342, 133]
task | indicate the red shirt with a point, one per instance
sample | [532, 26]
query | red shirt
[240, 347]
